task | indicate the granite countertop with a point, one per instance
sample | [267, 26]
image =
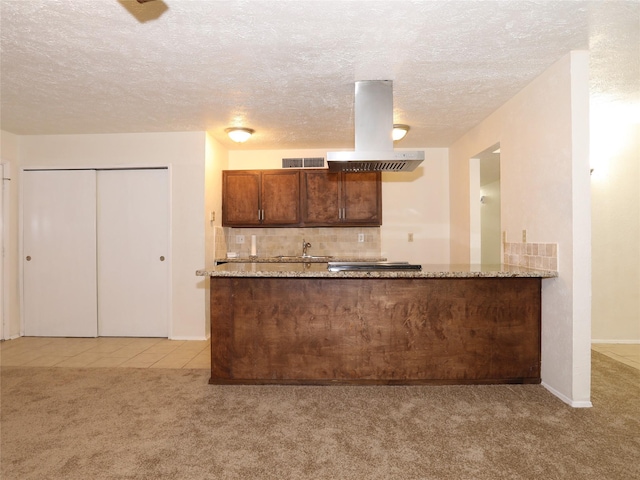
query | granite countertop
[297, 259]
[319, 270]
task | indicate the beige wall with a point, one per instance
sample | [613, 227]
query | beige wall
[418, 203]
[543, 135]
[615, 157]
[216, 160]
[412, 202]
[9, 156]
[184, 154]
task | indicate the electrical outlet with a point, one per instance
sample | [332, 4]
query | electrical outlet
[410, 239]
[239, 238]
[361, 237]
[212, 217]
[524, 236]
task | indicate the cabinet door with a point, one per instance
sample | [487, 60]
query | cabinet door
[280, 201]
[240, 198]
[320, 199]
[361, 198]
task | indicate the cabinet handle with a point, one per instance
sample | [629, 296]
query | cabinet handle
[28, 258]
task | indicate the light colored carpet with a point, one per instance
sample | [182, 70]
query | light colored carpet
[63, 423]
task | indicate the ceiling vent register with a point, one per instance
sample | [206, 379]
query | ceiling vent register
[314, 162]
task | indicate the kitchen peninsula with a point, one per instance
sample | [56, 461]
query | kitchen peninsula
[299, 323]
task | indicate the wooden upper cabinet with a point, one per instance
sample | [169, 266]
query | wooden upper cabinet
[320, 198]
[241, 197]
[281, 197]
[260, 198]
[361, 198]
[341, 198]
[306, 198]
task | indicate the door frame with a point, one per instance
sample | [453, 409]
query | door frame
[3, 298]
[165, 166]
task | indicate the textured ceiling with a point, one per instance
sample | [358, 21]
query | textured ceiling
[287, 68]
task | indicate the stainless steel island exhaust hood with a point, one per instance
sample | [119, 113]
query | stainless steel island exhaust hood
[373, 142]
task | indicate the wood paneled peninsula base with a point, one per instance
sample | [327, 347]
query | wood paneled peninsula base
[304, 325]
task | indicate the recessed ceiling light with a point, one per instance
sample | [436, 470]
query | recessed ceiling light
[239, 135]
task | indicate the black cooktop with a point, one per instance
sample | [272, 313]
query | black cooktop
[371, 266]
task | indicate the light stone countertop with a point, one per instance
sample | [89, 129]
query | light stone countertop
[298, 259]
[319, 270]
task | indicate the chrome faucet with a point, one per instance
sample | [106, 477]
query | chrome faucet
[305, 246]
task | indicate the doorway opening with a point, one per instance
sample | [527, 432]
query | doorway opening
[485, 207]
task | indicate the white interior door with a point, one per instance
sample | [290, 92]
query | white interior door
[133, 246]
[59, 251]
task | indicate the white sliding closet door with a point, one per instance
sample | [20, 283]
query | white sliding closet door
[133, 248]
[59, 251]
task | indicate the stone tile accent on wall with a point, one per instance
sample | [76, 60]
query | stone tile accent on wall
[219, 243]
[336, 241]
[539, 256]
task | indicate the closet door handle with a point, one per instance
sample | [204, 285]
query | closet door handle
[162, 258]
[28, 258]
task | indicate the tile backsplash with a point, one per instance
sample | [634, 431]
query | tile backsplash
[335, 241]
[539, 256]
[219, 243]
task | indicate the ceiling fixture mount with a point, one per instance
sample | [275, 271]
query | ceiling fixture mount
[239, 135]
[399, 131]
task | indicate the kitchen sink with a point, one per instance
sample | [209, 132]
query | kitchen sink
[303, 258]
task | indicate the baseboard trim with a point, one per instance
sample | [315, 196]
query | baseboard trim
[567, 400]
[197, 338]
[13, 337]
[617, 342]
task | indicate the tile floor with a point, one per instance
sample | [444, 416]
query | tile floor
[163, 353]
[628, 354]
[105, 352]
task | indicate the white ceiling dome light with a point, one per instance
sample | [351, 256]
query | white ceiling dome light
[399, 131]
[239, 135]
